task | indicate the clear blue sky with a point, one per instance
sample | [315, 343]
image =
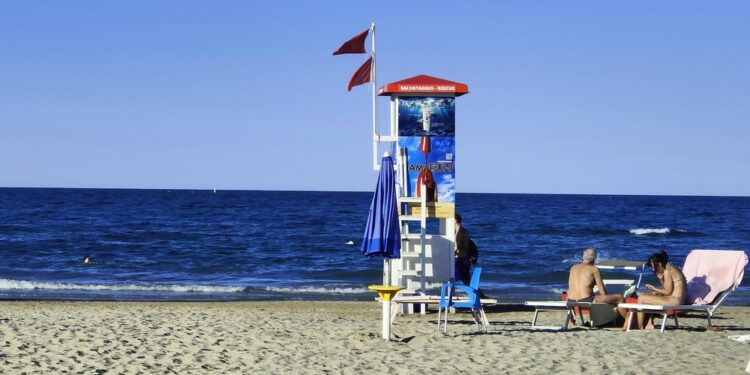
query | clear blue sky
[633, 97]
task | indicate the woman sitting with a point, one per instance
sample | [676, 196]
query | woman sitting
[673, 291]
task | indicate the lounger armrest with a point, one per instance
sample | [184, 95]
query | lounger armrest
[434, 300]
[691, 307]
[641, 306]
[559, 304]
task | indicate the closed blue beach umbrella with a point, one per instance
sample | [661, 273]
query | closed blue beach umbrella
[382, 234]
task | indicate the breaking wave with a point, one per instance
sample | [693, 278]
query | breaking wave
[6, 284]
[647, 231]
[30, 285]
[316, 290]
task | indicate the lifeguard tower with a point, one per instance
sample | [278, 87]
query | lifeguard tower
[422, 136]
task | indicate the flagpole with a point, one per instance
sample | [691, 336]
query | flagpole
[376, 141]
[373, 79]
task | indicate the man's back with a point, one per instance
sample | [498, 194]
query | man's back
[462, 243]
[581, 281]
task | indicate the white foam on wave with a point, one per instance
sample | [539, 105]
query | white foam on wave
[601, 256]
[317, 290]
[558, 290]
[643, 231]
[30, 285]
[7, 284]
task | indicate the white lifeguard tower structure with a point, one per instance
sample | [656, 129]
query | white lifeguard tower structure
[426, 258]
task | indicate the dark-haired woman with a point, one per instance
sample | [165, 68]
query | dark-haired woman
[672, 292]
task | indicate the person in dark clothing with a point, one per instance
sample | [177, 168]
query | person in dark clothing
[463, 262]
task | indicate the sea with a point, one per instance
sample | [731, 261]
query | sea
[206, 245]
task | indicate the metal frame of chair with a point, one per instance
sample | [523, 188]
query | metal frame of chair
[473, 302]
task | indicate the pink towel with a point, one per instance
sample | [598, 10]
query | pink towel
[710, 272]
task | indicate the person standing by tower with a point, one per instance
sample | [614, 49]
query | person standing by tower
[463, 263]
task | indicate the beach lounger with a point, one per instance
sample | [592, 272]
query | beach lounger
[427, 300]
[448, 300]
[712, 275]
[623, 265]
[599, 313]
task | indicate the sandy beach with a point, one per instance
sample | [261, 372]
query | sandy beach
[340, 337]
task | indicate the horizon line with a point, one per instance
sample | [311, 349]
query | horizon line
[368, 191]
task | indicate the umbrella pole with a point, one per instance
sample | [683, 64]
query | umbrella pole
[386, 294]
[386, 272]
[386, 320]
[386, 304]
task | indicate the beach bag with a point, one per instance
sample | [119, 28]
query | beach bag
[473, 252]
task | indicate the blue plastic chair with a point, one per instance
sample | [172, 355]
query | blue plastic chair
[473, 302]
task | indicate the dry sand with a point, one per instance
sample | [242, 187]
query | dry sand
[340, 337]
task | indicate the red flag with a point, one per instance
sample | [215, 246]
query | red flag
[362, 75]
[354, 45]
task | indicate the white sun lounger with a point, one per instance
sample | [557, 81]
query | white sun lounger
[427, 300]
[599, 313]
[663, 310]
[555, 306]
[704, 269]
[623, 265]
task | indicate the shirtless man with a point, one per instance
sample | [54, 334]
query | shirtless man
[582, 279]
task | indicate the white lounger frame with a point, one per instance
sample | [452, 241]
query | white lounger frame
[663, 310]
[427, 300]
[562, 306]
[559, 306]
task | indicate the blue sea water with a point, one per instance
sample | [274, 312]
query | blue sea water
[251, 245]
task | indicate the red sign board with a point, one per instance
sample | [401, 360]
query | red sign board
[424, 84]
